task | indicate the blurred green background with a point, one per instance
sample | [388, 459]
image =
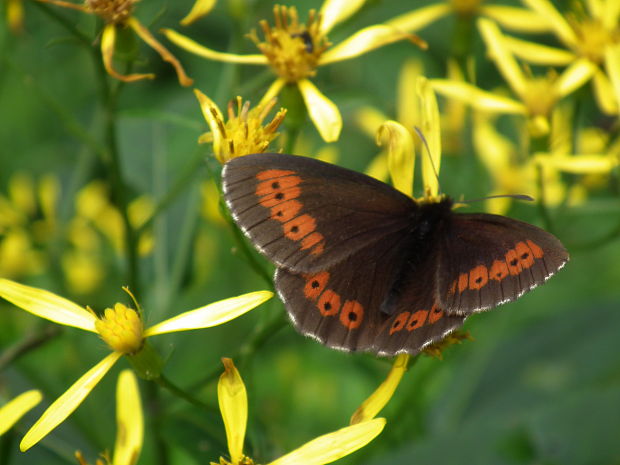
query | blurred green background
[539, 383]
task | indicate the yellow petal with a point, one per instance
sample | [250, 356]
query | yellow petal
[46, 305]
[108, 41]
[379, 399]
[68, 402]
[578, 164]
[604, 93]
[194, 47]
[214, 118]
[273, 91]
[538, 54]
[612, 64]
[337, 11]
[408, 108]
[147, 37]
[431, 129]
[610, 14]
[213, 314]
[233, 400]
[417, 19]
[478, 98]
[502, 57]
[363, 41]
[323, 112]
[546, 9]
[401, 155]
[493, 149]
[516, 19]
[333, 446]
[201, 8]
[575, 76]
[129, 420]
[12, 411]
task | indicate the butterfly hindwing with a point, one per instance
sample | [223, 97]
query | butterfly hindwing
[342, 306]
[305, 214]
[486, 260]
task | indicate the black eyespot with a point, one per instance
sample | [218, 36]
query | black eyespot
[279, 213]
[275, 185]
[315, 284]
[279, 196]
[327, 306]
[294, 229]
[352, 316]
[478, 280]
[524, 256]
[514, 262]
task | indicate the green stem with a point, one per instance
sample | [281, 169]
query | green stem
[155, 420]
[178, 392]
[249, 254]
[109, 97]
[462, 41]
[242, 355]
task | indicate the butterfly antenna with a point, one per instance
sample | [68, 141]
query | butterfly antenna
[428, 150]
[501, 196]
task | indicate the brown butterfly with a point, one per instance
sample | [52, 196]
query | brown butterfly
[363, 267]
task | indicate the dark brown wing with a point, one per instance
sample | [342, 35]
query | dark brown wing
[307, 215]
[486, 260]
[341, 305]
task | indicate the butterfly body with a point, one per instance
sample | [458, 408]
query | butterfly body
[361, 266]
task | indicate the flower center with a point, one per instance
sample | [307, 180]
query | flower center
[593, 38]
[540, 96]
[244, 132]
[111, 11]
[293, 49]
[121, 329]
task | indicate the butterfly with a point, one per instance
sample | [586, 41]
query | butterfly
[363, 267]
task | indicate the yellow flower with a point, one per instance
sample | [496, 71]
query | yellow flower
[408, 114]
[537, 95]
[592, 38]
[233, 402]
[511, 173]
[517, 19]
[295, 50]
[121, 328]
[27, 223]
[400, 159]
[12, 411]
[243, 132]
[119, 14]
[129, 423]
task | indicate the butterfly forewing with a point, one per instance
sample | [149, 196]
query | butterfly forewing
[306, 215]
[486, 260]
